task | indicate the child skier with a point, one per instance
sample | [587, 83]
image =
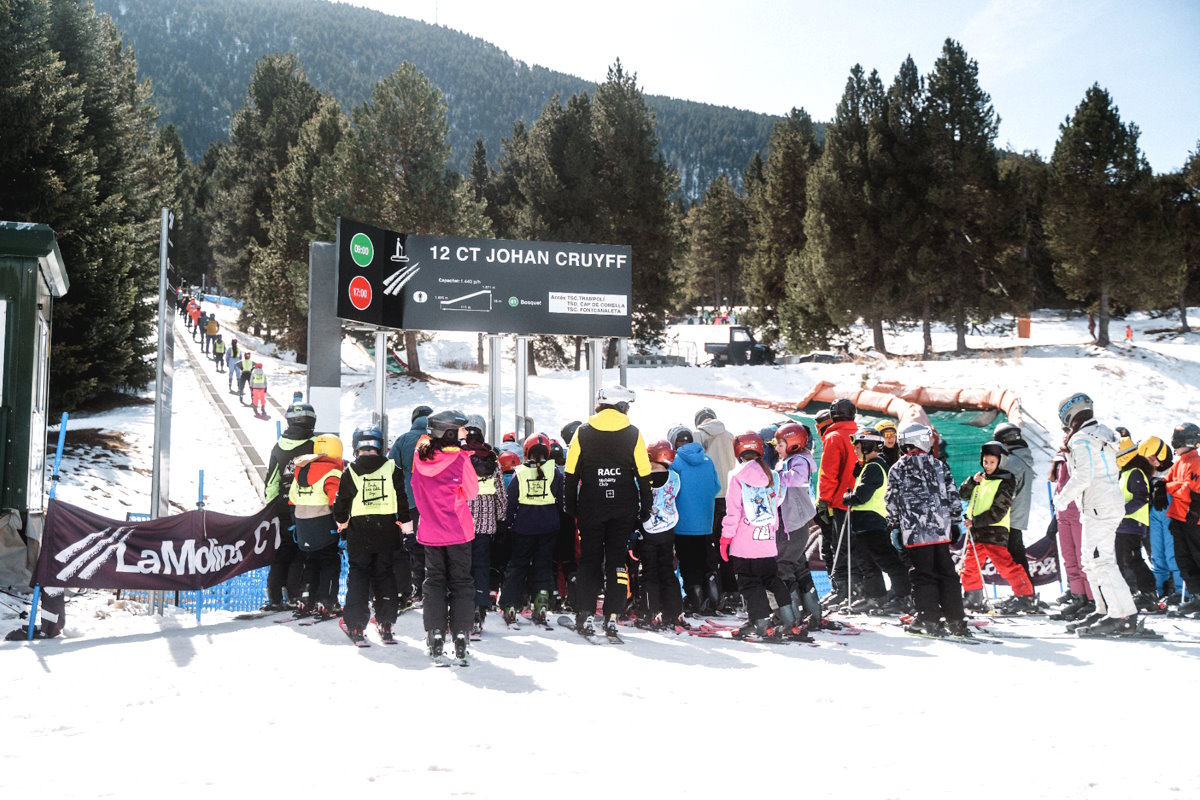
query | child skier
[487, 509]
[991, 494]
[315, 483]
[796, 468]
[922, 503]
[367, 509]
[868, 525]
[664, 601]
[748, 539]
[534, 498]
[698, 489]
[1183, 488]
[443, 484]
[1134, 528]
[258, 390]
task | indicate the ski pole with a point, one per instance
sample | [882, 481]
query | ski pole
[849, 580]
[975, 553]
[37, 590]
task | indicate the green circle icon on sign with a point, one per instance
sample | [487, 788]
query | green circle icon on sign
[361, 249]
[514, 302]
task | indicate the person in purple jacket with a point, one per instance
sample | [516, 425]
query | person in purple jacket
[748, 539]
[443, 484]
[698, 489]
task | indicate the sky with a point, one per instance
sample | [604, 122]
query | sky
[1036, 58]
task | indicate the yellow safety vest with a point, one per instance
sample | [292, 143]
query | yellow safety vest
[375, 493]
[309, 495]
[246, 364]
[258, 379]
[219, 347]
[982, 497]
[875, 502]
[1142, 513]
[487, 484]
[533, 484]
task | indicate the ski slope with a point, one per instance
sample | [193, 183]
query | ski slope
[132, 705]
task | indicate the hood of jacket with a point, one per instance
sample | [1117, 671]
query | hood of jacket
[420, 424]
[712, 428]
[692, 454]
[438, 464]
[751, 474]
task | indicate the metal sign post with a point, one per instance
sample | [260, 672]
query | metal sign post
[379, 416]
[522, 366]
[160, 483]
[495, 354]
[595, 371]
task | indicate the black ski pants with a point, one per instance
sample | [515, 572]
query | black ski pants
[936, 590]
[602, 559]
[481, 568]
[875, 550]
[695, 557]
[836, 550]
[1133, 567]
[404, 562]
[756, 577]
[530, 568]
[281, 575]
[1187, 551]
[448, 581]
[1016, 549]
[320, 576]
[658, 576]
[369, 575]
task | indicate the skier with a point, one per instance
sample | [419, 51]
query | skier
[232, 356]
[1183, 487]
[1134, 528]
[835, 479]
[922, 503]
[796, 468]
[443, 484]
[1095, 485]
[868, 525]
[297, 440]
[664, 601]
[717, 442]
[245, 367]
[1077, 603]
[258, 390]
[694, 546]
[748, 540]
[1167, 579]
[315, 482]
[487, 509]
[368, 509]
[1018, 462]
[218, 350]
[891, 451]
[534, 497]
[608, 493]
[409, 560]
[990, 493]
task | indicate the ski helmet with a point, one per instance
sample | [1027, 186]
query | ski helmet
[1007, 433]
[885, 425]
[444, 423]
[1074, 409]
[368, 437]
[328, 445]
[1126, 450]
[477, 422]
[557, 454]
[992, 448]
[748, 442]
[661, 452]
[537, 448]
[568, 430]
[842, 409]
[916, 437]
[1156, 447]
[421, 411]
[703, 415]
[509, 460]
[679, 436]
[616, 396]
[869, 439]
[1186, 434]
[823, 420]
[300, 414]
[794, 437]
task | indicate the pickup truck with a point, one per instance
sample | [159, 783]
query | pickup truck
[740, 349]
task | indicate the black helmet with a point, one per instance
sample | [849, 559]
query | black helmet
[1007, 433]
[444, 422]
[1186, 434]
[992, 448]
[842, 409]
[421, 411]
[301, 414]
[369, 437]
[568, 430]
[679, 436]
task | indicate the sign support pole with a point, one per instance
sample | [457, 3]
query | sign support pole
[522, 365]
[379, 416]
[494, 387]
[623, 359]
[595, 371]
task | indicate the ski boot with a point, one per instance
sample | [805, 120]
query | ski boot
[959, 628]
[896, 605]
[865, 605]
[1088, 621]
[1191, 606]
[811, 605]
[477, 623]
[385, 633]
[1069, 607]
[1111, 626]
[1024, 604]
[926, 626]
[610, 630]
[541, 602]
[510, 616]
[1146, 601]
[585, 625]
[460, 648]
[975, 600]
[753, 629]
[435, 641]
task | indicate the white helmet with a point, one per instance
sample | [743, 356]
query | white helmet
[614, 395]
[916, 435]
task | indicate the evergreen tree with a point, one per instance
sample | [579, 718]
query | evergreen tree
[968, 245]
[718, 238]
[1024, 180]
[1102, 211]
[1182, 191]
[778, 203]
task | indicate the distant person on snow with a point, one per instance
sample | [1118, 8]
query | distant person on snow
[232, 356]
[245, 368]
[258, 390]
[219, 353]
[1129, 334]
[211, 329]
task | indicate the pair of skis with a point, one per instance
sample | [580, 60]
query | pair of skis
[612, 637]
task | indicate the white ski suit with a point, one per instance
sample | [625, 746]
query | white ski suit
[1095, 487]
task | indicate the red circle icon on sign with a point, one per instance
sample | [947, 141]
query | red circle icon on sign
[360, 292]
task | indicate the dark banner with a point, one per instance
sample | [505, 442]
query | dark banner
[1042, 557]
[452, 283]
[192, 550]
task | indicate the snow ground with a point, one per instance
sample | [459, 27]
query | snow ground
[124, 697]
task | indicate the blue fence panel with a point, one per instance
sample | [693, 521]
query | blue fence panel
[821, 581]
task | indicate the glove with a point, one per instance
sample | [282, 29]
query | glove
[823, 509]
[955, 532]
[406, 528]
[847, 498]
[725, 549]
[1158, 496]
